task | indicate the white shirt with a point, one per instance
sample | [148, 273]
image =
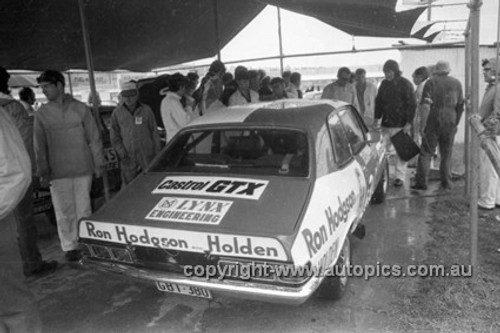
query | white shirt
[173, 115]
[238, 99]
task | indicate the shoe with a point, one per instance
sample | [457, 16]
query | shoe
[484, 208]
[45, 268]
[398, 182]
[417, 186]
[73, 255]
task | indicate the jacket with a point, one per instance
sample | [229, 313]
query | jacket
[23, 122]
[134, 134]
[67, 140]
[445, 96]
[15, 166]
[395, 102]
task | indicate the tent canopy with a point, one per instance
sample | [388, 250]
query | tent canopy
[147, 34]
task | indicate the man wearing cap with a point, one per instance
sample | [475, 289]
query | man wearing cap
[444, 101]
[342, 89]
[68, 150]
[394, 110]
[489, 184]
[133, 133]
[243, 94]
[33, 265]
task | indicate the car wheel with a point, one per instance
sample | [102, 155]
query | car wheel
[381, 190]
[334, 287]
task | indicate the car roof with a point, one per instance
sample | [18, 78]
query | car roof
[308, 115]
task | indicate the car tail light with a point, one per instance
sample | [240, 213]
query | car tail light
[295, 275]
[110, 253]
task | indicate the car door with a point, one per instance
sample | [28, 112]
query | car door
[365, 153]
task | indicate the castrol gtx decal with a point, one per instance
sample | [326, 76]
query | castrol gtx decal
[182, 240]
[189, 210]
[242, 188]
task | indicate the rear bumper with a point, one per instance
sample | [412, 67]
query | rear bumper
[240, 289]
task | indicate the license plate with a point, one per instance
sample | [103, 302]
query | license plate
[183, 289]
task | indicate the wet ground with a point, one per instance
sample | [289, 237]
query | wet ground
[74, 299]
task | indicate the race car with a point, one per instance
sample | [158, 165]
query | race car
[255, 201]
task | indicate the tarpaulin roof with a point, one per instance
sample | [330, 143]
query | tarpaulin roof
[140, 35]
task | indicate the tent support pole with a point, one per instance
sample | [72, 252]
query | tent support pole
[467, 157]
[474, 6]
[216, 22]
[93, 91]
[280, 39]
[68, 73]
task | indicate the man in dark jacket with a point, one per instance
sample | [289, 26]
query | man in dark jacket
[444, 99]
[394, 109]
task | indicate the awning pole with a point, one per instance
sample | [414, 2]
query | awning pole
[216, 22]
[474, 6]
[467, 157]
[69, 83]
[93, 91]
[280, 39]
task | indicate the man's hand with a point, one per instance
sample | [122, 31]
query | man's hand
[377, 124]
[44, 182]
[407, 128]
[99, 171]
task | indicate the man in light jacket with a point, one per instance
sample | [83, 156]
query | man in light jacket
[68, 150]
[134, 134]
[18, 310]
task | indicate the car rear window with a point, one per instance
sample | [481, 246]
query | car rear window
[242, 151]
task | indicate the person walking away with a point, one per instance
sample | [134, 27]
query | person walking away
[28, 99]
[366, 93]
[243, 94]
[293, 90]
[33, 265]
[173, 114]
[18, 309]
[443, 97]
[68, 150]
[394, 111]
[420, 77]
[342, 89]
[489, 111]
[133, 133]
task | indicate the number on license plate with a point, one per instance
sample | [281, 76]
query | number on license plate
[183, 289]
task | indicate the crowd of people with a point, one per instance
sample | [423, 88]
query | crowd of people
[60, 144]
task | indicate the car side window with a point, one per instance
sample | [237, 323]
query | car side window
[354, 131]
[341, 148]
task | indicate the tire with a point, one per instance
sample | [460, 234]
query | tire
[381, 190]
[334, 287]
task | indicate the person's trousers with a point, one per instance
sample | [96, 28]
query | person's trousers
[27, 233]
[442, 136]
[489, 183]
[18, 310]
[400, 167]
[71, 199]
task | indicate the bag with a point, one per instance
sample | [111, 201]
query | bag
[405, 146]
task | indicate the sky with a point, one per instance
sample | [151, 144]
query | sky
[303, 34]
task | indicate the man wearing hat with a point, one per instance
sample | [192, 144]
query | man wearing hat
[243, 94]
[68, 150]
[133, 133]
[444, 104]
[395, 106]
[489, 184]
[342, 89]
